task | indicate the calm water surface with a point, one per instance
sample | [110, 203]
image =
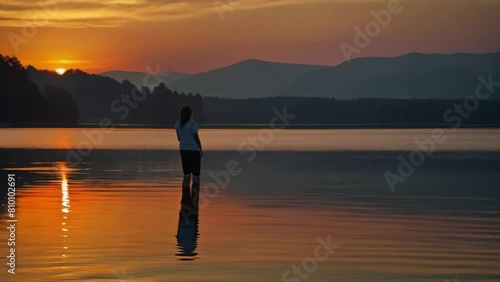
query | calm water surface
[231, 139]
[116, 216]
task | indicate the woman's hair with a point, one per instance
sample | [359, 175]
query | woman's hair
[185, 115]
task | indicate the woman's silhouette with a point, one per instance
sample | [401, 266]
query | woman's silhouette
[190, 146]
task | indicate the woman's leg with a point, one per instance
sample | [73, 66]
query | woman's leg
[186, 168]
[196, 167]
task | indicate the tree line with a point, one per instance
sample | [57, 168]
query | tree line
[363, 111]
[23, 102]
[31, 97]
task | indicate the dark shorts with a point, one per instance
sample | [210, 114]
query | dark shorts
[191, 162]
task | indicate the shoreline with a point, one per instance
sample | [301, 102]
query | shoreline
[263, 126]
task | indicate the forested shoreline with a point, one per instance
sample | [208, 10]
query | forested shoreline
[40, 98]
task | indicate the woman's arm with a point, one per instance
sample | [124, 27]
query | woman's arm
[198, 142]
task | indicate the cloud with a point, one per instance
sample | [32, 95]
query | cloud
[113, 13]
[96, 13]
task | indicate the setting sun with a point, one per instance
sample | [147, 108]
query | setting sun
[60, 71]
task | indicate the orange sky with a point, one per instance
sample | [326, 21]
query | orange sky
[192, 36]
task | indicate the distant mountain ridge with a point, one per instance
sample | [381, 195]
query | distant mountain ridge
[249, 78]
[140, 79]
[414, 75]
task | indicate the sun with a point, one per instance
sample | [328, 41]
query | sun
[60, 71]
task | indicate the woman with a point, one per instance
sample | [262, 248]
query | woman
[190, 146]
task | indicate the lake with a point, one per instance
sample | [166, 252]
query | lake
[294, 205]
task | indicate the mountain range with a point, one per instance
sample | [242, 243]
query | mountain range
[141, 79]
[414, 75]
[32, 97]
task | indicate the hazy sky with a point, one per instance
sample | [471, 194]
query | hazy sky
[199, 35]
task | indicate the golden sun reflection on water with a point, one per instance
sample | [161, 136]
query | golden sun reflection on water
[65, 206]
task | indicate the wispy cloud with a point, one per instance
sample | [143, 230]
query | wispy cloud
[89, 13]
[113, 13]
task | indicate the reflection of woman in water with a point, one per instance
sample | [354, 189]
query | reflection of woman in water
[190, 146]
[187, 230]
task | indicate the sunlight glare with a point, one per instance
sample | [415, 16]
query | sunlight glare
[60, 71]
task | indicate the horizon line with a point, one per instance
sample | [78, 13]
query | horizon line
[268, 61]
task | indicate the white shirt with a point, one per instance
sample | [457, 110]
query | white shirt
[186, 137]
